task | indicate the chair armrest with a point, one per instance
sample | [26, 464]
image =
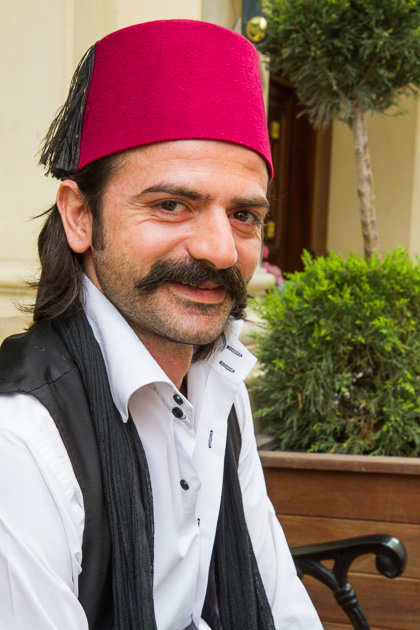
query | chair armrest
[391, 559]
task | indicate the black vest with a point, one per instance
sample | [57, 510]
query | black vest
[37, 362]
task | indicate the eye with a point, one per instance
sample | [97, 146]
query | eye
[171, 206]
[244, 216]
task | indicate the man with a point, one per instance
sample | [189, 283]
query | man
[134, 495]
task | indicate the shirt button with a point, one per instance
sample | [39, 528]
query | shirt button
[184, 484]
[177, 412]
[178, 399]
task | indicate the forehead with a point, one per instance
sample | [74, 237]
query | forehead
[195, 162]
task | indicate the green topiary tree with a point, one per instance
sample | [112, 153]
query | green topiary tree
[346, 58]
[340, 356]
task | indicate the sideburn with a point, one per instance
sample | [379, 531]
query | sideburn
[98, 233]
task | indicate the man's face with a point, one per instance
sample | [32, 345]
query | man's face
[182, 204]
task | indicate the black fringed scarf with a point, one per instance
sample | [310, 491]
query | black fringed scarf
[242, 600]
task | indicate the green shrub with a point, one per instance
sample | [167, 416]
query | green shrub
[340, 356]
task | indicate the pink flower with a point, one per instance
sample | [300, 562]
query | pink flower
[276, 271]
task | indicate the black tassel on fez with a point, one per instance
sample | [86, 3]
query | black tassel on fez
[61, 147]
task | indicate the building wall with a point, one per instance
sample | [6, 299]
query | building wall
[394, 147]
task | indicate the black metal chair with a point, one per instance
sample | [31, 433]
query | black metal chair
[391, 559]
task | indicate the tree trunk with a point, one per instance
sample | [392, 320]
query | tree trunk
[365, 183]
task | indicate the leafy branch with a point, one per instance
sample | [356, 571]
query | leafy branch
[347, 58]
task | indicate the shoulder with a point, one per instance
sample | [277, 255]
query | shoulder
[30, 359]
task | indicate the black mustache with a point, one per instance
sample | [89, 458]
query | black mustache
[198, 272]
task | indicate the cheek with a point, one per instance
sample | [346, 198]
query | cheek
[144, 241]
[249, 256]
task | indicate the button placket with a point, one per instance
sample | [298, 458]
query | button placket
[185, 443]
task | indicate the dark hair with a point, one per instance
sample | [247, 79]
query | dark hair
[60, 284]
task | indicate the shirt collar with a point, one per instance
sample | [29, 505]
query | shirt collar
[234, 361]
[130, 365]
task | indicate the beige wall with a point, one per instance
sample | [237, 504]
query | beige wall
[394, 145]
[223, 12]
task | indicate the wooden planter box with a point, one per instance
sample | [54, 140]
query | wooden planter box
[327, 497]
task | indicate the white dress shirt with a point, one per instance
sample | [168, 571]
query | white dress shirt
[41, 505]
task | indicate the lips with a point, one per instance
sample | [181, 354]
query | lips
[208, 292]
[207, 286]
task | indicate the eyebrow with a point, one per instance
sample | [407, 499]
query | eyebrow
[176, 191]
[188, 193]
[251, 202]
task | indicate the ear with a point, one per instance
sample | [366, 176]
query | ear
[77, 220]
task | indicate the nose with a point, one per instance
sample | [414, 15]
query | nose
[212, 239]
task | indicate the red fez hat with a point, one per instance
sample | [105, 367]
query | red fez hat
[172, 80]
